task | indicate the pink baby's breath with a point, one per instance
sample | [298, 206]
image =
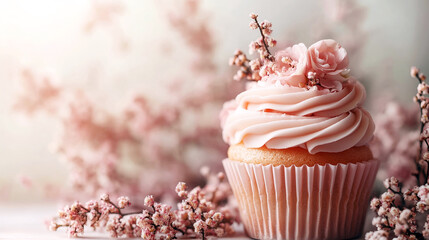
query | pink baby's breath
[201, 213]
[105, 197]
[397, 209]
[253, 15]
[414, 71]
[149, 201]
[253, 25]
[123, 202]
[257, 68]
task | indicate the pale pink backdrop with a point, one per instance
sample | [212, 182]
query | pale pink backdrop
[105, 53]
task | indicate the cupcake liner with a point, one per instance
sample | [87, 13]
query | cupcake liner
[320, 202]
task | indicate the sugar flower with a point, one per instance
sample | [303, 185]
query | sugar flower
[324, 64]
[329, 61]
[291, 65]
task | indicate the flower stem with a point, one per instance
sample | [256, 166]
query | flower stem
[263, 37]
[422, 125]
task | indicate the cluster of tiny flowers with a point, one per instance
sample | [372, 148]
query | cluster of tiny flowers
[397, 210]
[262, 43]
[97, 214]
[393, 216]
[157, 221]
[377, 235]
[246, 71]
[422, 99]
[312, 79]
[199, 214]
[257, 68]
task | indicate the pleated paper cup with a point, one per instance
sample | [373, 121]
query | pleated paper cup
[320, 202]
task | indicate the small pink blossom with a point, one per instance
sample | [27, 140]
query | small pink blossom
[200, 226]
[395, 211]
[377, 235]
[387, 196]
[181, 186]
[423, 88]
[266, 27]
[423, 194]
[149, 201]
[405, 215]
[311, 75]
[218, 217]
[253, 25]
[123, 202]
[53, 227]
[375, 203]
[105, 197]
[253, 15]
[414, 71]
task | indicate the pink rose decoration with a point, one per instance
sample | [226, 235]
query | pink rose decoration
[290, 66]
[329, 61]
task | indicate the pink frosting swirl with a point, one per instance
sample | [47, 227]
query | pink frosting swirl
[319, 120]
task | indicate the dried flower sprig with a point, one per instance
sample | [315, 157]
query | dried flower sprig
[255, 69]
[261, 44]
[397, 209]
[202, 212]
[246, 71]
[422, 99]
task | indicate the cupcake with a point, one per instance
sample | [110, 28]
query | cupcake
[299, 162]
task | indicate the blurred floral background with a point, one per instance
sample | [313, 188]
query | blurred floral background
[124, 96]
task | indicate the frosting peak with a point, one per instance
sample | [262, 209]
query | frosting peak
[281, 116]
